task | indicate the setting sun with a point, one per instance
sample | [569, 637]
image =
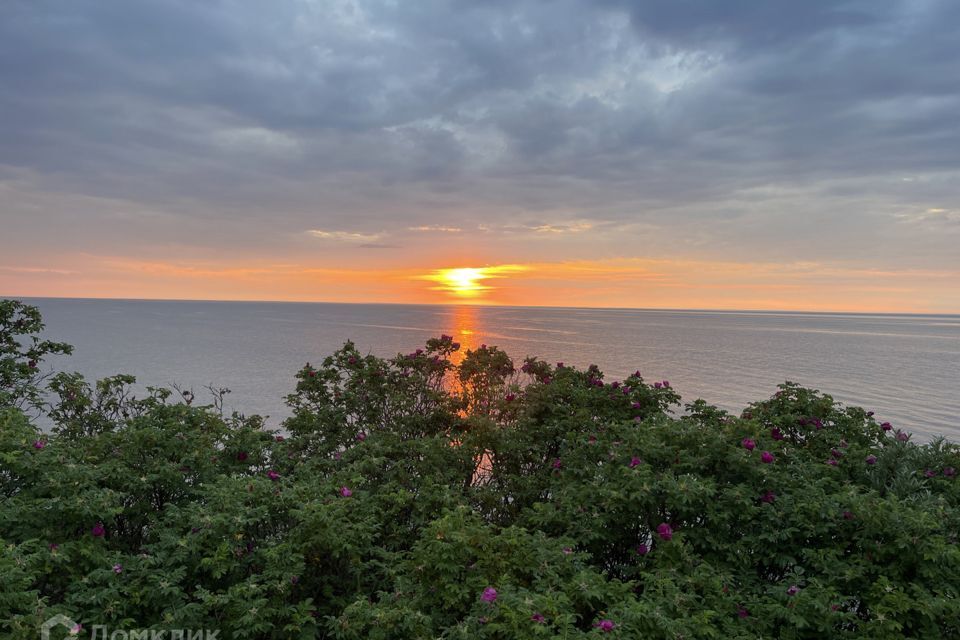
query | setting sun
[467, 282]
[464, 282]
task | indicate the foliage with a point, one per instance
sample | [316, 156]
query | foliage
[417, 498]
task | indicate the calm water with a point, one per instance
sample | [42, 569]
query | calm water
[906, 368]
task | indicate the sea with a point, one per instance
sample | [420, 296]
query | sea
[906, 368]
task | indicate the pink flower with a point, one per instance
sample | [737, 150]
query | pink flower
[557, 464]
[642, 549]
[949, 472]
[748, 444]
[665, 531]
[98, 531]
[279, 438]
[743, 612]
[871, 459]
[39, 444]
[769, 497]
[636, 405]
[242, 456]
[489, 595]
[902, 436]
[766, 457]
[273, 475]
[666, 384]
[567, 551]
[793, 590]
[345, 492]
[930, 473]
[886, 426]
[538, 618]
[53, 546]
[76, 629]
[832, 462]
[118, 568]
[635, 461]
[510, 397]
[605, 625]
[847, 515]
[776, 434]
[657, 385]
[361, 436]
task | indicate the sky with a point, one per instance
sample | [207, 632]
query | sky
[742, 154]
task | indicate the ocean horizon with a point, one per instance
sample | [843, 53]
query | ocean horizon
[905, 367]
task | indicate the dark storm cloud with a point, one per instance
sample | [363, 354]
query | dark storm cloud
[265, 120]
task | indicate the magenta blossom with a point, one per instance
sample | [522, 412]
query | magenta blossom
[273, 475]
[832, 462]
[793, 590]
[605, 625]
[847, 515]
[871, 459]
[538, 618]
[657, 385]
[118, 568]
[665, 531]
[902, 436]
[510, 397]
[489, 595]
[98, 531]
[930, 473]
[666, 384]
[242, 456]
[39, 444]
[776, 434]
[766, 457]
[949, 472]
[748, 444]
[361, 436]
[53, 546]
[567, 551]
[769, 497]
[642, 549]
[743, 612]
[279, 438]
[886, 426]
[557, 464]
[345, 492]
[634, 461]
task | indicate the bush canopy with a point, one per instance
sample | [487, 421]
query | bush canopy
[445, 494]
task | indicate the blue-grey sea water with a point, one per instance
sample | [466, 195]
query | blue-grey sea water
[904, 367]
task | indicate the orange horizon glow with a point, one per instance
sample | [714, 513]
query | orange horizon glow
[613, 283]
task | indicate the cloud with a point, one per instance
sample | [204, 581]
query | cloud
[430, 228]
[346, 236]
[692, 127]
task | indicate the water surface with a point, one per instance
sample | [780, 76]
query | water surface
[905, 367]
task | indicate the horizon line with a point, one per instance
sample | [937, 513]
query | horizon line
[494, 305]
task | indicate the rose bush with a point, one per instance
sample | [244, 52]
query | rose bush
[417, 498]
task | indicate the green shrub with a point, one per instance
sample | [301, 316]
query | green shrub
[416, 498]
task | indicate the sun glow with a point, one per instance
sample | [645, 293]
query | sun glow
[467, 283]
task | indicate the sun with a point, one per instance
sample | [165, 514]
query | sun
[467, 283]
[464, 282]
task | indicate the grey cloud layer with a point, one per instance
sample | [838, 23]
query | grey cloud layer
[738, 126]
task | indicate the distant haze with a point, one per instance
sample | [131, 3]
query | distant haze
[611, 153]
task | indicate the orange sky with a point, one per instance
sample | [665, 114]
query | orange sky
[633, 282]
